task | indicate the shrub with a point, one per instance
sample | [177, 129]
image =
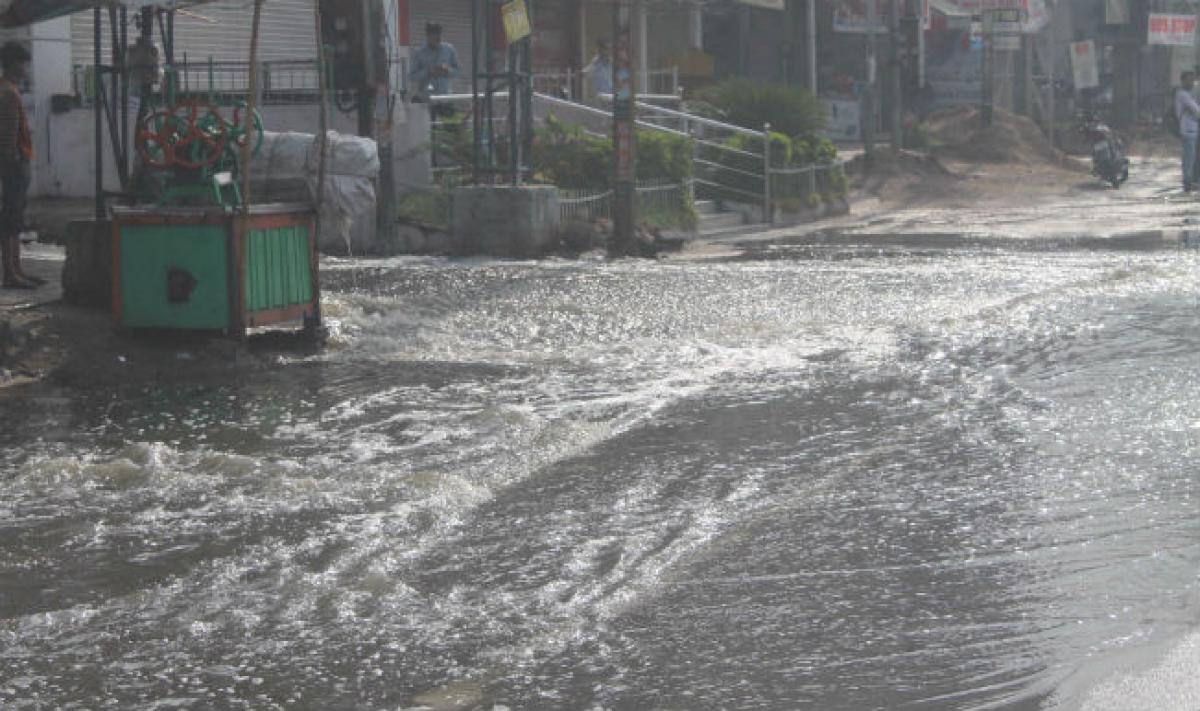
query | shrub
[750, 104]
[663, 155]
[567, 156]
[425, 208]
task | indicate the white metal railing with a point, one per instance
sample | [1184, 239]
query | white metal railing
[574, 84]
[725, 169]
[659, 196]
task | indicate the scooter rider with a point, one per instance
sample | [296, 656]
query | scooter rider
[1188, 112]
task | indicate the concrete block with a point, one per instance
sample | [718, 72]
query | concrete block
[87, 274]
[505, 221]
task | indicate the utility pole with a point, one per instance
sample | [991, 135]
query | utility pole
[811, 29]
[897, 101]
[375, 113]
[985, 111]
[868, 97]
[624, 138]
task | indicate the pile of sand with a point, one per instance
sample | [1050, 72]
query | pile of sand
[958, 133]
[889, 170]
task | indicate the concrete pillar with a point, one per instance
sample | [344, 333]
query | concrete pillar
[642, 30]
[696, 26]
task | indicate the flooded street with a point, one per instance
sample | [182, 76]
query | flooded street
[836, 477]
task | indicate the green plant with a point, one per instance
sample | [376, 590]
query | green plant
[750, 104]
[425, 207]
[663, 156]
[567, 156]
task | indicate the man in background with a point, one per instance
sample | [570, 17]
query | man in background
[600, 70]
[435, 65]
[16, 152]
[1188, 112]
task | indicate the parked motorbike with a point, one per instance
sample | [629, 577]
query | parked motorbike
[1109, 162]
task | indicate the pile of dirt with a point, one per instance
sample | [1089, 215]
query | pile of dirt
[959, 133]
[888, 170]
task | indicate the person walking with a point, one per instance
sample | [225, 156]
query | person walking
[600, 70]
[16, 152]
[1188, 113]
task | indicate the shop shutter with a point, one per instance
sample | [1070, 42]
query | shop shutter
[455, 19]
[220, 30]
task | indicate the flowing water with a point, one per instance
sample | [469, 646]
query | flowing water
[829, 478]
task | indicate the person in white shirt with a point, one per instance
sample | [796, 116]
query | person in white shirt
[1188, 112]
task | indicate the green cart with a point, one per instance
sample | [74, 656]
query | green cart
[212, 269]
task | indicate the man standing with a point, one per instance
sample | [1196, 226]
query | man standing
[16, 152]
[600, 70]
[434, 65]
[1188, 112]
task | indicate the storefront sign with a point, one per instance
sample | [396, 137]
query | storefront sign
[1171, 30]
[861, 16]
[1084, 65]
[516, 21]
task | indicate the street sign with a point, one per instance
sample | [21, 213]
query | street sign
[516, 21]
[1171, 30]
[1084, 65]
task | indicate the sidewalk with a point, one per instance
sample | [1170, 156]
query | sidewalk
[39, 260]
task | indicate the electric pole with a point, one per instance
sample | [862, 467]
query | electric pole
[897, 102]
[624, 137]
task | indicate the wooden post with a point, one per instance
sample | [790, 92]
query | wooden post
[897, 105]
[252, 101]
[624, 137]
[768, 212]
[989, 70]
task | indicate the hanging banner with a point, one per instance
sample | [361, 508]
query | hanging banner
[1034, 17]
[1084, 65]
[1171, 30]
[856, 16]
[516, 21]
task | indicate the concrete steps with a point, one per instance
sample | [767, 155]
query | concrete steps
[714, 221]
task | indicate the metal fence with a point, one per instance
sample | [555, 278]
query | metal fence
[280, 82]
[659, 197]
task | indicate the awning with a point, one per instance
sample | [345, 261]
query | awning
[18, 13]
[955, 8]
[768, 4]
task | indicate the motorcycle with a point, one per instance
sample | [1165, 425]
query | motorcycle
[1109, 162]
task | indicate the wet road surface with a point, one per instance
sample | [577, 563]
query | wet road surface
[815, 476]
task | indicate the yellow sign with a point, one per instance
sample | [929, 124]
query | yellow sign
[516, 21]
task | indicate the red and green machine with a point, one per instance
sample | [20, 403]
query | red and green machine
[187, 252]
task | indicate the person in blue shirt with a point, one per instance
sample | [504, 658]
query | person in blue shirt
[600, 70]
[434, 65]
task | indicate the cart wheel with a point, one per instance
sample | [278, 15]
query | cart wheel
[314, 332]
[156, 139]
[238, 131]
[203, 136]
